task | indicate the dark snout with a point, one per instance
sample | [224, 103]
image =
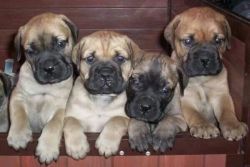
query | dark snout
[51, 68]
[105, 78]
[203, 59]
[144, 108]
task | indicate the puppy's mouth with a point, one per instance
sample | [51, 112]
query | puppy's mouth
[203, 61]
[145, 109]
[105, 79]
[52, 70]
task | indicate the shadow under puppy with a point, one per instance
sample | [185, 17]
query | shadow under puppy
[199, 37]
[153, 103]
[97, 101]
[45, 80]
[6, 84]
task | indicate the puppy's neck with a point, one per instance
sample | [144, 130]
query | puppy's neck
[102, 99]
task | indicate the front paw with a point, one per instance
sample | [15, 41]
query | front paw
[77, 146]
[47, 150]
[163, 139]
[19, 139]
[140, 139]
[107, 143]
[204, 131]
[234, 131]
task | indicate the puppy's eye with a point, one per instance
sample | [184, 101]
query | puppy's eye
[90, 59]
[61, 44]
[119, 59]
[166, 91]
[188, 42]
[136, 83]
[29, 51]
[219, 40]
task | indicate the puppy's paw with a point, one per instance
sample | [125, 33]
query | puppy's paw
[163, 139]
[234, 131]
[140, 139]
[205, 131]
[47, 150]
[108, 143]
[77, 146]
[19, 139]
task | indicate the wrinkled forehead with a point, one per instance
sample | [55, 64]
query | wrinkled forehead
[106, 46]
[157, 71]
[200, 27]
[45, 29]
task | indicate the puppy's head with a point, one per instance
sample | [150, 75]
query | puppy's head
[199, 37]
[104, 60]
[152, 87]
[47, 41]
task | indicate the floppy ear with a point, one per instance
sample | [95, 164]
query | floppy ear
[18, 45]
[169, 32]
[76, 53]
[136, 53]
[183, 80]
[228, 33]
[73, 28]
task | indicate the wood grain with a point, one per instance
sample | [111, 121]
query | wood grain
[82, 3]
[92, 18]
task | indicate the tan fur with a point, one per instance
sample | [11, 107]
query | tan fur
[206, 99]
[97, 113]
[34, 106]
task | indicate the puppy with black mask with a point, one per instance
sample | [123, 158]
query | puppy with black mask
[199, 37]
[97, 101]
[38, 101]
[153, 103]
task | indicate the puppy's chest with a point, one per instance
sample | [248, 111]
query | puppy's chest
[40, 110]
[202, 97]
[95, 115]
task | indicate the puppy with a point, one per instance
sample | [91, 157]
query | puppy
[39, 99]
[6, 84]
[199, 37]
[97, 101]
[153, 101]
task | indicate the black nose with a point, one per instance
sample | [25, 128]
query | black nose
[204, 61]
[49, 67]
[106, 71]
[145, 107]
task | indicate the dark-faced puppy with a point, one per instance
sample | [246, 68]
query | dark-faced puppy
[39, 99]
[153, 101]
[96, 104]
[6, 84]
[199, 37]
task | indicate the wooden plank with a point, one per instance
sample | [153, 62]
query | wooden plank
[81, 3]
[7, 161]
[92, 18]
[215, 161]
[29, 161]
[96, 161]
[182, 161]
[135, 161]
[61, 162]
[184, 144]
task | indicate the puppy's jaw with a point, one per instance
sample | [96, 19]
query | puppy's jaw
[202, 60]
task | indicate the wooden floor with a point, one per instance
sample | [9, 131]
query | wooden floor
[118, 161]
